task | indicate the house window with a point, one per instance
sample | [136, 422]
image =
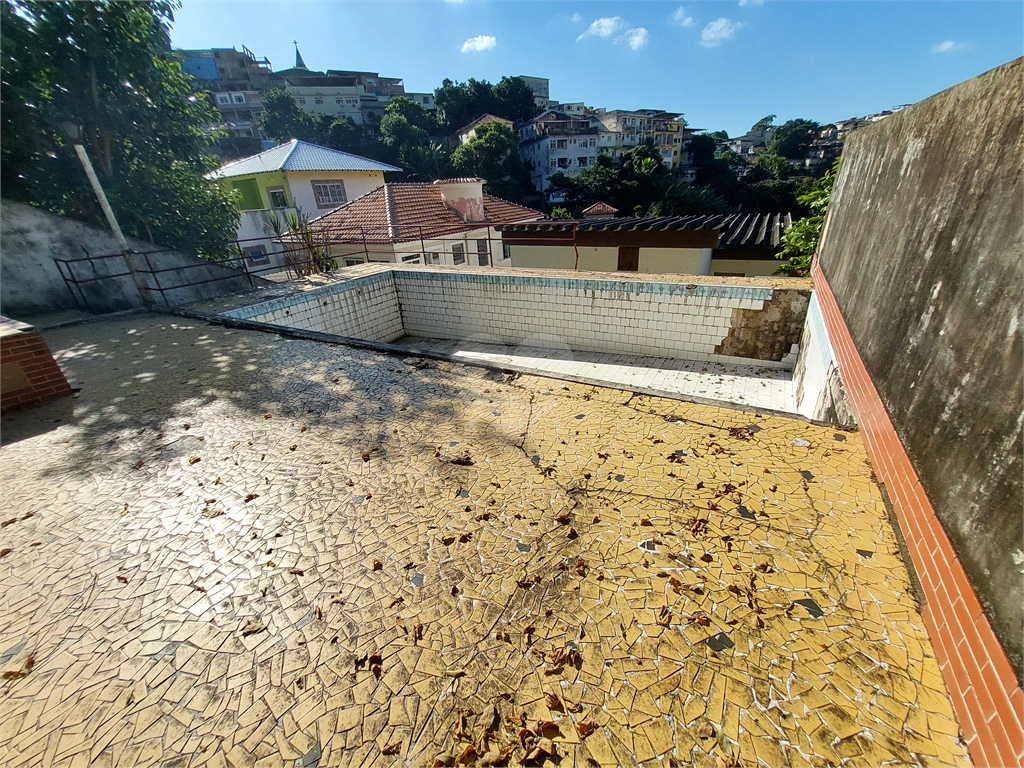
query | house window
[223, 98]
[277, 197]
[351, 262]
[563, 162]
[554, 164]
[591, 142]
[458, 253]
[414, 259]
[431, 258]
[256, 255]
[318, 101]
[239, 98]
[329, 193]
[483, 253]
[506, 251]
[338, 101]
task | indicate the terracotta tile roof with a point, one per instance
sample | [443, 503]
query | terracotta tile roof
[396, 213]
[600, 208]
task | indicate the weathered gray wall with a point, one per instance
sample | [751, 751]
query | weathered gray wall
[923, 250]
[30, 284]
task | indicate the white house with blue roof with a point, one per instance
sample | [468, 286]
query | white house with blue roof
[295, 176]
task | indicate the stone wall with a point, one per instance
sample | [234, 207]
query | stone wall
[923, 251]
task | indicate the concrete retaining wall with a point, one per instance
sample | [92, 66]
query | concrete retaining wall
[30, 283]
[922, 250]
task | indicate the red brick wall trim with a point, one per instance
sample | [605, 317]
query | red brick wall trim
[982, 684]
[45, 380]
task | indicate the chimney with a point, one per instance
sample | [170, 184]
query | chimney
[464, 196]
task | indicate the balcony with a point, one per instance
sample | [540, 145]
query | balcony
[254, 223]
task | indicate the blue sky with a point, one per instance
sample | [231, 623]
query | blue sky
[722, 64]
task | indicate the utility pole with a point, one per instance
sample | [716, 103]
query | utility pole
[73, 132]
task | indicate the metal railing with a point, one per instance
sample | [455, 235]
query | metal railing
[290, 256]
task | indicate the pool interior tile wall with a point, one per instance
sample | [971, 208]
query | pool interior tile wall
[648, 318]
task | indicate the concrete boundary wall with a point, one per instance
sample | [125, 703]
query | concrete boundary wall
[981, 681]
[922, 249]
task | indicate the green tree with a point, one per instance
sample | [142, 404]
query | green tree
[282, 119]
[800, 241]
[764, 123]
[643, 177]
[770, 166]
[681, 199]
[459, 104]
[792, 139]
[107, 68]
[514, 99]
[493, 155]
[560, 213]
[428, 163]
[593, 184]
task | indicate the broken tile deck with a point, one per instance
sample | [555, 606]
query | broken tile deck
[236, 549]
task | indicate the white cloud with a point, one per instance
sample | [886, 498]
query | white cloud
[680, 17]
[603, 27]
[634, 38]
[479, 43]
[718, 31]
[948, 46]
[576, 18]
[751, 2]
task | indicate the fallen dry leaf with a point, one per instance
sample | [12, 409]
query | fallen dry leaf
[392, 749]
[455, 672]
[251, 496]
[586, 728]
[548, 729]
[297, 572]
[194, 459]
[488, 718]
[664, 616]
[465, 537]
[550, 698]
[252, 627]
[377, 565]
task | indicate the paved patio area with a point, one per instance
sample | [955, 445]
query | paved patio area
[237, 549]
[744, 385]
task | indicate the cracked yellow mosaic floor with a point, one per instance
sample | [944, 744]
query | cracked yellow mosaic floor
[235, 549]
